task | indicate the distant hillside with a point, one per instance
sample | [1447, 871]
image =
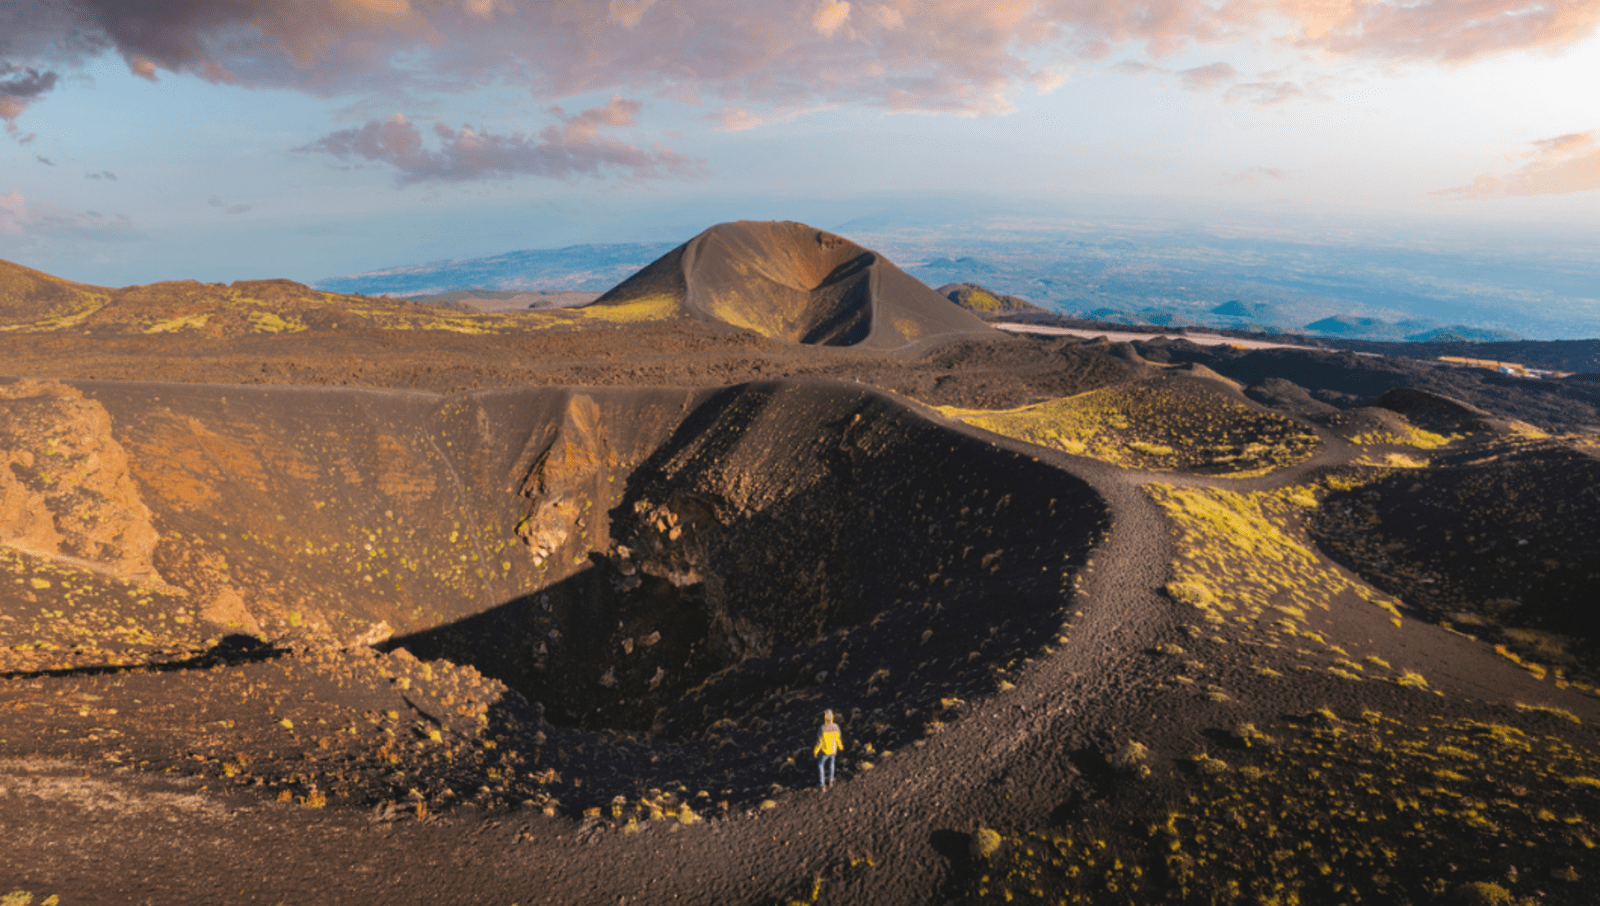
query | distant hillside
[33, 296]
[1420, 331]
[35, 303]
[506, 299]
[791, 282]
[975, 298]
[586, 268]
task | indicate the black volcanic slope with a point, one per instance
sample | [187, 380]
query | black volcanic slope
[791, 282]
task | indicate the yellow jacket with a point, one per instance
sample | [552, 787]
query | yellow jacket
[828, 742]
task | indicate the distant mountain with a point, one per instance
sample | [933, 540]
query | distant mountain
[791, 282]
[1461, 333]
[1356, 328]
[1254, 311]
[975, 298]
[1414, 330]
[585, 268]
[964, 265]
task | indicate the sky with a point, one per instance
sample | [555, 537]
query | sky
[240, 139]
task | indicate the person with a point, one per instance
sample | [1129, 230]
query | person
[828, 745]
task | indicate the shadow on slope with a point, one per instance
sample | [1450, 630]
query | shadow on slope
[791, 548]
[1503, 543]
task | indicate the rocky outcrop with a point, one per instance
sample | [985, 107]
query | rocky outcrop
[65, 490]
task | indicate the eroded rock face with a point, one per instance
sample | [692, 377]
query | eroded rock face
[65, 490]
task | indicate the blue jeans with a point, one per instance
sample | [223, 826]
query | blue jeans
[825, 769]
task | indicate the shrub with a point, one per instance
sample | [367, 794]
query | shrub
[985, 843]
[1482, 893]
[1191, 593]
[1130, 759]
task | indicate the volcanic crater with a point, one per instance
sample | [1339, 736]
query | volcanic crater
[652, 561]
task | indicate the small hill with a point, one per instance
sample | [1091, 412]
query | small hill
[1255, 311]
[789, 281]
[1357, 328]
[30, 295]
[36, 303]
[1462, 333]
[977, 299]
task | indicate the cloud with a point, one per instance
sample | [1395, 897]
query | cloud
[18, 88]
[1263, 94]
[44, 160]
[19, 218]
[735, 119]
[230, 209]
[574, 147]
[830, 15]
[627, 13]
[103, 174]
[1205, 78]
[1557, 166]
[958, 56]
[1254, 175]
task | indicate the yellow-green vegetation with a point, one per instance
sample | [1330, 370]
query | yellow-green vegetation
[1161, 425]
[1273, 580]
[909, 328]
[1393, 460]
[981, 300]
[1562, 713]
[985, 843]
[247, 307]
[1131, 759]
[181, 322]
[658, 307]
[272, 322]
[64, 617]
[1404, 436]
[1378, 811]
[60, 317]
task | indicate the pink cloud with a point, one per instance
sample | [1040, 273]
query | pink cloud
[1561, 165]
[32, 221]
[735, 119]
[1205, 78]
[960, 56]
[574, 147]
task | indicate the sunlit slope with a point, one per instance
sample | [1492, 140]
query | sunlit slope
[31, 297]
[35, 303]
[1173, 422]
[791, 282]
